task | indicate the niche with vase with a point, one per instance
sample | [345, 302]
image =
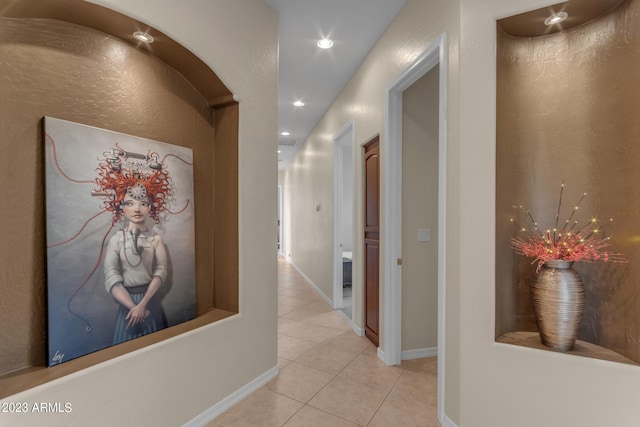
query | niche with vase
[568, 124]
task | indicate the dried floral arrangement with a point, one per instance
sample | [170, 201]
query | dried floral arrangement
[568, 242]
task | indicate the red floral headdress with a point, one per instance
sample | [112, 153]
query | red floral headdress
[140, 176]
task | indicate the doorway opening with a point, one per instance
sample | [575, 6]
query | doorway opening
[420, 217]
[391, 351]
[344, 219]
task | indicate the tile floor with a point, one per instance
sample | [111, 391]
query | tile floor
[329, 376]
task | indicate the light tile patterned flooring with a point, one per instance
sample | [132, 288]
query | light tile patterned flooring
[329, 376]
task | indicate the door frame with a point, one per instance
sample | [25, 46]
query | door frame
[434, 54]
[338, 163]
[280, 225]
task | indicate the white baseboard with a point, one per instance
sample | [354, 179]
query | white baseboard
[419, 353]
[313, 285]
[411, 354]
[235, 397]
[359, 331]
[446, 422]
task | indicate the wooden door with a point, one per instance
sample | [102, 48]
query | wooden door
[372, 241]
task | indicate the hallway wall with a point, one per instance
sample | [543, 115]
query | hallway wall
[486, 384]
[174, 381]
[309, 176]
[506, 385]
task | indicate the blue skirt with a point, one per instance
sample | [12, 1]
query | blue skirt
[156, 320]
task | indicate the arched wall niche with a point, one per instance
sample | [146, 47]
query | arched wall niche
[568, 109]
[76, 61]
[122, 27]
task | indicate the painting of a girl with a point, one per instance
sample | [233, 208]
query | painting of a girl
[135, 261]
[120, 237]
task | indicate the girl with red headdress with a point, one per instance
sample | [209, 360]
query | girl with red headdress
[136, 261]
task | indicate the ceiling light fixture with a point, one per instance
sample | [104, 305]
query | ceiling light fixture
[143, 37]
[298, 103]
[325, 43]
[285, 133]
[556, 18]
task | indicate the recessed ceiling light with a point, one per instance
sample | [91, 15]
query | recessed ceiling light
[325, 43]
[298, 103]
[279, 151]
[285, 133]
[556, 18]
[143, 37]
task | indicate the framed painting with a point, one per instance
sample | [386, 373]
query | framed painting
[120, 238]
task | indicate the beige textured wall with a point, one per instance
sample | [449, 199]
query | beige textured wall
[186, 375]
[420, 210]
[309, 177]
[505, 385]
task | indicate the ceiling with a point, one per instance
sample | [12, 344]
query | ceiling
[316, 76]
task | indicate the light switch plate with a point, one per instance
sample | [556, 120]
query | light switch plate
[424, 235]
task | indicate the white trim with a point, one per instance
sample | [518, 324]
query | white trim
[337, 223]
[338, 163]
[446, 422]
[359, 331]
[434, 54]
[313, 285]
[393, 198]
[235, 397]
[280, 216]
[419, 353]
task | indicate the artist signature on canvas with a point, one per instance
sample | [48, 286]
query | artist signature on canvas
[57, 358]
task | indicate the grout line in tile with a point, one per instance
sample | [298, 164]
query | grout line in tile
[292, 415]
[337, 416]
[383, 400]
[325, 386]
[388, 392]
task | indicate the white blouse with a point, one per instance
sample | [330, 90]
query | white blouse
[123, 265]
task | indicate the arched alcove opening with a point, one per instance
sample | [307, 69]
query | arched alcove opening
[77, 61]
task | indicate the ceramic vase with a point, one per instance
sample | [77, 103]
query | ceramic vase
[557, 297]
